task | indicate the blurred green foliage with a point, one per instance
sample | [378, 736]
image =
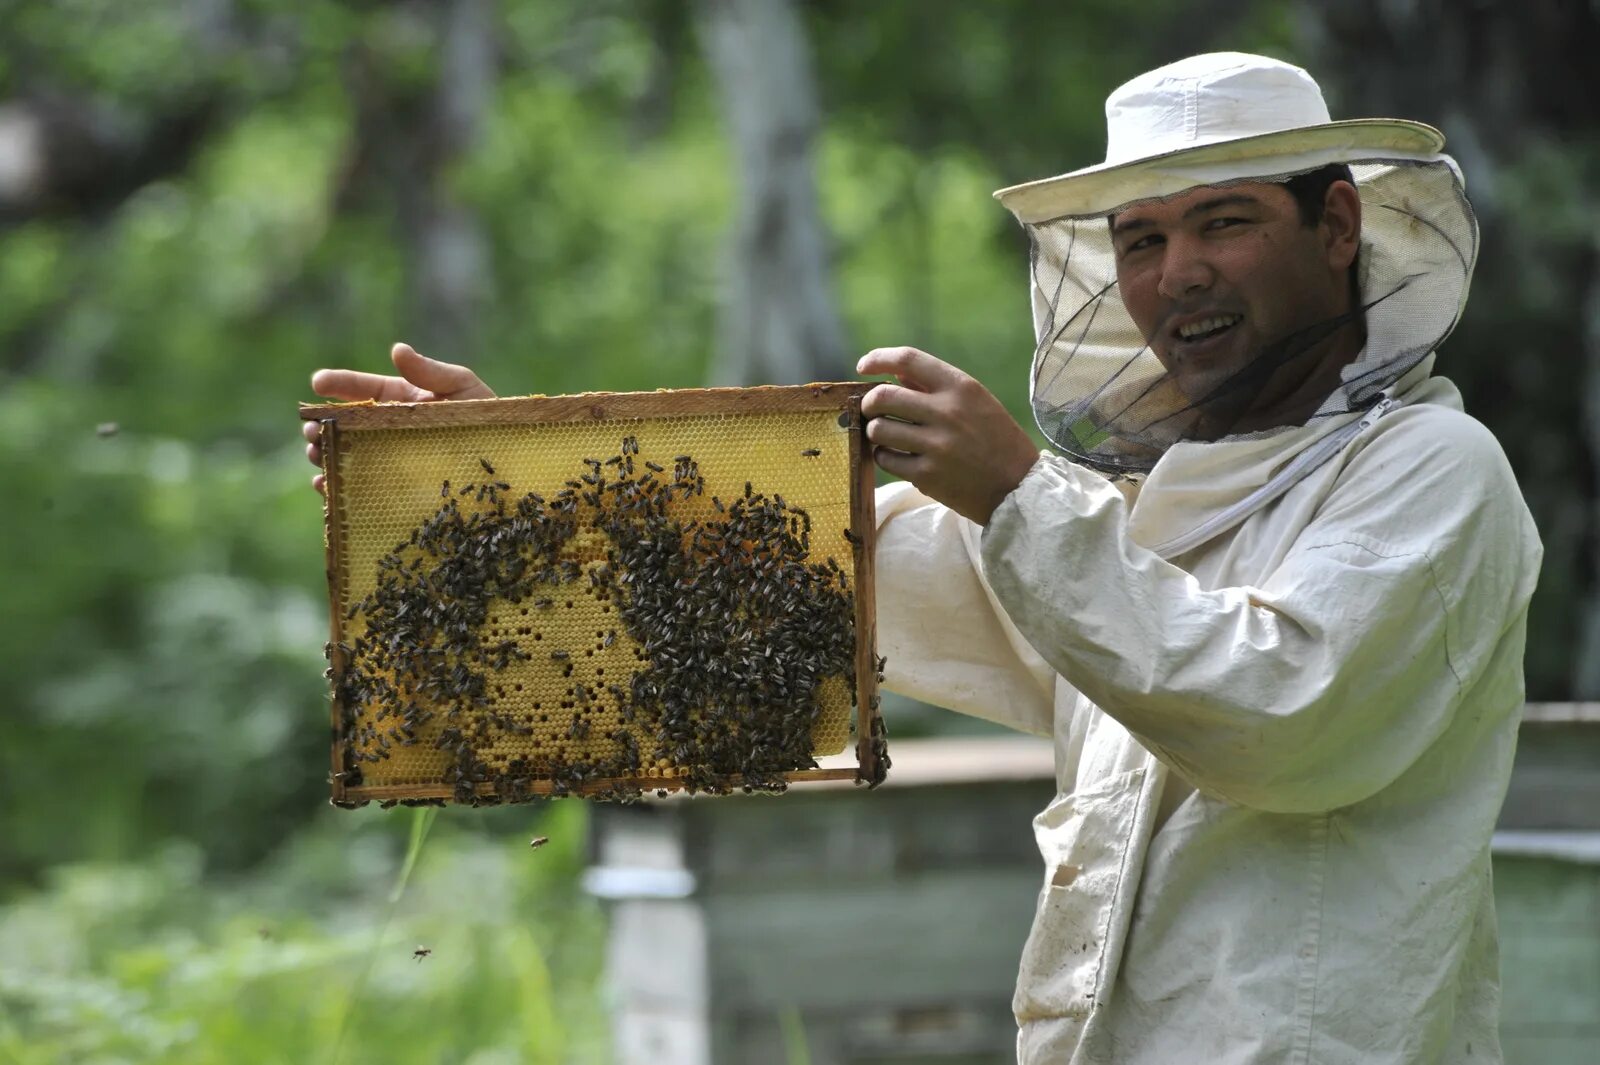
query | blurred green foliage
[163, 641]
[160, 960]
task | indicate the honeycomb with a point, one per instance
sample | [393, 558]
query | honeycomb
[560, 664]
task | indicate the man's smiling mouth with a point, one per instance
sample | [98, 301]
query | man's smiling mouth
[1207, 328]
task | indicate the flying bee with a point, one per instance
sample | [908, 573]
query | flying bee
[538, 841]
[421, 951]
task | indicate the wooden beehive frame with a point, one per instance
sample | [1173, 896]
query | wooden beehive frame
[338, 418]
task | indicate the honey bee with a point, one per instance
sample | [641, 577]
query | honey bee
[538, 841]
[421, 952]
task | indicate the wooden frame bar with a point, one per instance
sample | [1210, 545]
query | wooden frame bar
[591, 406]
[863, 524]
[338, 418]
[381, 792]
[328, 442]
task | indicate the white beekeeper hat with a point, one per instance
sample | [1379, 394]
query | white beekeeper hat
[1098, 392]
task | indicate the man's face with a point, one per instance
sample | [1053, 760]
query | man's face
[1215, 275]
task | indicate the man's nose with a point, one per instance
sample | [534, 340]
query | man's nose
[1184, 271]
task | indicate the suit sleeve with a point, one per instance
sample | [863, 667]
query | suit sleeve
[1321, 685]
[945, 636]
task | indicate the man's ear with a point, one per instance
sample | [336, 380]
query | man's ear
[1341, 224]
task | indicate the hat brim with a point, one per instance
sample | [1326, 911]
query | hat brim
[1103, 188]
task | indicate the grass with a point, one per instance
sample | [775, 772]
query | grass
[310, 959]
[796, 1051]
[421, 821]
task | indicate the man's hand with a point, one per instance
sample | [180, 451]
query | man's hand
[421, 380]
[944, 432]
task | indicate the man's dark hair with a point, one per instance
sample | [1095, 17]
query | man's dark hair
[1310, 190]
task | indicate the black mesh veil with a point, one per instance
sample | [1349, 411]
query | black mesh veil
[1101, 396]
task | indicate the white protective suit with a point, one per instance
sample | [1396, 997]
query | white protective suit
[1279, 755]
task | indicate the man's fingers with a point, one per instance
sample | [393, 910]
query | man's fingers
[443, 379]
[314, 454]
[895, 401]
[357, 385]
[915, 369]
[901, 436]
[906, 467]
[318, 482]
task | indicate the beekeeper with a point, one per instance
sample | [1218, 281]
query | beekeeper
[1269, 599]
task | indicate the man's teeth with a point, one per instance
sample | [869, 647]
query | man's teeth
[1194, 329]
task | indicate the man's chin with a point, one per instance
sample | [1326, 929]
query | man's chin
[1203, 387]
[1216, 401]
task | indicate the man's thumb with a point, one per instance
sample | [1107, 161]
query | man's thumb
[440, 377]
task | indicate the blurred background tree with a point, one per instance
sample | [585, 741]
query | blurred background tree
[1518, 97]
[202, 201]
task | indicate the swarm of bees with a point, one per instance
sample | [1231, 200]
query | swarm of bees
[879, 734]
[738, 626]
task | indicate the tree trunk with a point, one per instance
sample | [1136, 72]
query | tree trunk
[778, 322]
[450, 276]
[406, 139]
[1513, 86]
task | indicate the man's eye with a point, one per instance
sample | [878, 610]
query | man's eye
[1223, 223]
[1147, 241]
